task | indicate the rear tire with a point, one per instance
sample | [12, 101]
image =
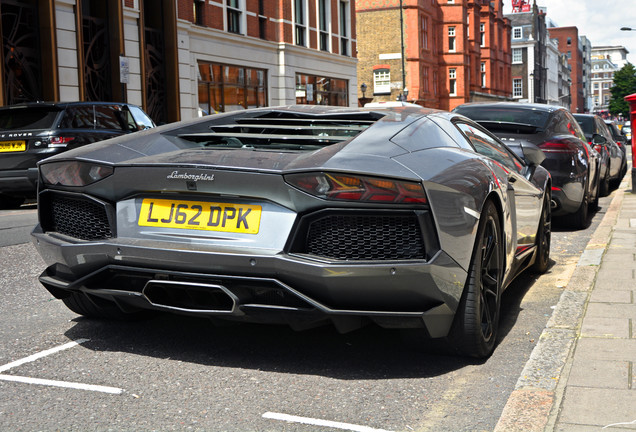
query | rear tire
[544, 236]
[605, 185]
[474, 330]
[579, 218]
[95, 307]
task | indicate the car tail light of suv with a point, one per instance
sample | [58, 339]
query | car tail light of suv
[60, 141]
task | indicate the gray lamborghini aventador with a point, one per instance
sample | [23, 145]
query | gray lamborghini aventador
[405, 217]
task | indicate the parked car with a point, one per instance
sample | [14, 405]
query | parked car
[404, 217]
[599, 136]
[620, 139]
[31, 132]
[573, 164]
[627, 130]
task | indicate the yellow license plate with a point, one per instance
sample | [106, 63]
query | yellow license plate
[207, 216]
[12, 146]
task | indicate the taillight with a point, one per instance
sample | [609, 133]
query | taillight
[55, 141]
[564, 147]
[73, 173]
[344, 187]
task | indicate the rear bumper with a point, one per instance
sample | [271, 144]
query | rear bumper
[261, 287]
[19, 182]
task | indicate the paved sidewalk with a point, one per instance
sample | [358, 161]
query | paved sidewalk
[581, 376]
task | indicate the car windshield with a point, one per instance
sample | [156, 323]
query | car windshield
[27, 118]
[587, 124]
[523, 116]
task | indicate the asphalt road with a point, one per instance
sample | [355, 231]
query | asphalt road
[62, 372]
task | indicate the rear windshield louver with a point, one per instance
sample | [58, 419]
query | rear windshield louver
[283, 132]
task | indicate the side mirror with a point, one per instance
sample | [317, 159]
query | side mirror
[598, 139]
[533, 154]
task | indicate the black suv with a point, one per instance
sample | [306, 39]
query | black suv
[31, 132]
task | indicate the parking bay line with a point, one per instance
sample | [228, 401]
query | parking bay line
[318, 422]
[65, 384]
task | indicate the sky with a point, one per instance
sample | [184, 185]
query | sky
[599, 21]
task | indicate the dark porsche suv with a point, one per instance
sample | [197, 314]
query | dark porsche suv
[31, 132]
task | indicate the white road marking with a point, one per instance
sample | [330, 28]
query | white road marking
[41, 354]
[318, 422]
[619, 424]
[65, 384]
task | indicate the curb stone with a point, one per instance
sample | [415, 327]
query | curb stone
[534, 404]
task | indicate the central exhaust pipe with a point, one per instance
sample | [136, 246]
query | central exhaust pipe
[190, 297]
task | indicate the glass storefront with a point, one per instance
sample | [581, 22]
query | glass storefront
[224, 88]
[316, 90]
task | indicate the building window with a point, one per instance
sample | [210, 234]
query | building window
[451, 1]
[435, 86]
[517, 88]
[569, 55]
[345, 25]
[451, 39]
[517, 55]
[224, 88]
[197, 8]
[452, 82]
[425, 74]
[381, 81]
[569, 41]
[517, 33]
[482, 34]
[425, 32]
[606, 99]
[319, 90]
[606, 85]
[323, 23]
[483, 74]
[299, 22]
[234, 16]
[262, 20]
[595, 86]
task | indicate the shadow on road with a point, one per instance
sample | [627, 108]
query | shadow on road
[369, 353]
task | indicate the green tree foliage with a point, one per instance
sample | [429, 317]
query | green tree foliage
[624, 84]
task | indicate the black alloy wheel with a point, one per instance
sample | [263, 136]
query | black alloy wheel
[474, 331]
[579, 218]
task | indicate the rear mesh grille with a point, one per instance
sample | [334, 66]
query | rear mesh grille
[79, 218]
[366, 237]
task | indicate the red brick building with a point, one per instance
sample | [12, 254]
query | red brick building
[455, 51]
[569, 44]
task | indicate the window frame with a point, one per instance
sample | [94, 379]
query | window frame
[452, 82]
[300, 22]
[234, 16]
[517, 91]
[382, 76]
